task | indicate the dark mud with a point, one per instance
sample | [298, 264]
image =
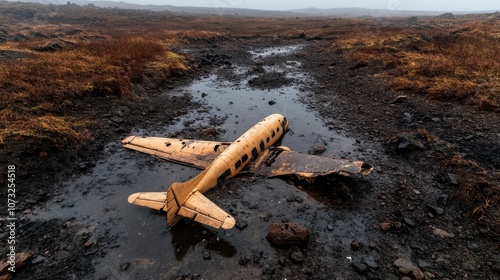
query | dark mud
[401, 220]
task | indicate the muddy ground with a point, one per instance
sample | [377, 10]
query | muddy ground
[402, 220]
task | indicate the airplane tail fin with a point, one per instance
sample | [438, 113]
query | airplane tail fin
[183, 200]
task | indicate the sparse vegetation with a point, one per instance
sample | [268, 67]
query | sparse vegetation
[443, 58]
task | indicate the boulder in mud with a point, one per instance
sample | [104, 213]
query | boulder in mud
[282, 234]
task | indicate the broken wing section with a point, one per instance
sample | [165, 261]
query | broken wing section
[194, 153]
[202, 210]
[281, 162]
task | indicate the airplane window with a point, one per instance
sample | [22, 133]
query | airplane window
[278, 129]
[273, 134]
[262, 146]
[255, 154]
[244, 158]
[224, 176]
[267, 140]
[237, 164]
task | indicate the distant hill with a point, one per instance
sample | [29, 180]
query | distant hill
[311, 12]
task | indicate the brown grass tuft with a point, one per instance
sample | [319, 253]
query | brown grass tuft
[478, 192]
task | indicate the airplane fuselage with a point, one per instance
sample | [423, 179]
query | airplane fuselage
[245, 149]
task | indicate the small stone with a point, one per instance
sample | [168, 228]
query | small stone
[61, 255]
[90, 242]
[429, 276]
[241, 225]
[405, 266]
[206, 255]
[209, 131]
[435, 210]
[271, 102]
[117, 120]
[409, 222]
[436, 119]
[452, 178]
[38, 259]
[355, 245]
[297, 256]
[288, 234]
[441, 233]
[330, 227]
[317, 150]
[385, 226]
[370, 261]
[417, 192]
[407, 117]
[359, 266]
[469, 137]
[417, 274]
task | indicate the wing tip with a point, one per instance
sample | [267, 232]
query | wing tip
[128, 139]
[228, 223]
[132, 198]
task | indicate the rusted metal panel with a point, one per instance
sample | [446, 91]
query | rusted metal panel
[279, 162]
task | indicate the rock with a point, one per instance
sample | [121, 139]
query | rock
[417, 274]
[271, 102]
[330, 227]
[117, 120]
[209, 131]
[297, 256]
[405, 266]
[206, 255]
[355, 245]
[359, 266]
[317, 150]
[408, 142]
[385, 226]
[61, 255]
[407, 118]
[288, 234]
[429, 276]
[369, 261]
[441, 233]
[241, 225]
[38, 259]
[469, 137]
[409, 222]
[435, 210]
[452, 178]
[436, 120]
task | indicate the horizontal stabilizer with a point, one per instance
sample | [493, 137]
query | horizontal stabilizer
[153, 200]
[202, 210]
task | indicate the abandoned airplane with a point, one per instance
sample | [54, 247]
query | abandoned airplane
[222, 160]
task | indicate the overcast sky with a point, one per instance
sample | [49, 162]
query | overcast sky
[423, 5]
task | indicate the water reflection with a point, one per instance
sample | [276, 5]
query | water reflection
[191, 234]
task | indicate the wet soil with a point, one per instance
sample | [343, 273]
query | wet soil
[401, 220]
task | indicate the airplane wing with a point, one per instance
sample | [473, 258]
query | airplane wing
[204, 211]
[194, 153]
[279, 162]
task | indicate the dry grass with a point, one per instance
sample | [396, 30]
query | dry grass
[478, 192]
[446, 58]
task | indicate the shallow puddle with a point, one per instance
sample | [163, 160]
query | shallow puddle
[139, 244]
